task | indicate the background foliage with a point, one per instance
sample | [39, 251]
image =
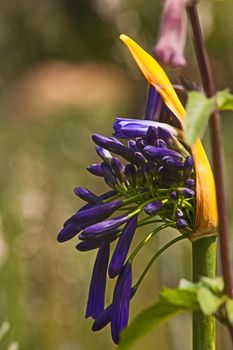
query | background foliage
[64, 75]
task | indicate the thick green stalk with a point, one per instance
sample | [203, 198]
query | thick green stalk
[204, 264]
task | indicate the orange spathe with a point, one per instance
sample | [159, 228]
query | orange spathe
[206, 205]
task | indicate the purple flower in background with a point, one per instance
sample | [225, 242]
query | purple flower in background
[172, 38]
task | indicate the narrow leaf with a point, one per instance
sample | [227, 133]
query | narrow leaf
[198, 110]
[180, 297]
[147, 320]
[229, 309]
[225, 100]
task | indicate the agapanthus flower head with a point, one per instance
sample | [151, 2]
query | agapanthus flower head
[154, 176]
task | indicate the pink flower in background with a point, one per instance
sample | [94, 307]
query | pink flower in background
[171, 43]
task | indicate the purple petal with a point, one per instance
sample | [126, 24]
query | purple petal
[104, 154]
[95, 169]
[95, 243]
[85, 218]
[120, 304]
[105, 316]
[122, 248]
[68, 232]
[153, 207]
[159, 153]
[95, 304]
[87, 195]
[154, 105]
[105, 226]
[181, 223]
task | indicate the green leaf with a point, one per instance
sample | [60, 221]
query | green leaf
[180, 297]
[198, 110]
[147, 320]
[185, 284]
[229, 309]
[209, 302]
[225, 100]
[215, 284]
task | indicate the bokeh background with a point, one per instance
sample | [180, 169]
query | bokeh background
[63, 76]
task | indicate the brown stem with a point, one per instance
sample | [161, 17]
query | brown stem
[217, 147]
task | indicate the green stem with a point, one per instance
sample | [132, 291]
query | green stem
[204, 262]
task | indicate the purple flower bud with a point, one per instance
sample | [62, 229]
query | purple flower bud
[152, 136]
[105, 235]
[109, 176]
[140, 158]
[122, 248]
[189, 183]
[179, 213]
[132, 128]
[91, 244]
[170, 174]
[87, 195]
[87, 217]
[140, 144]
[132, 145]
[114, 146]
[120, 303]
[104, 154]
[104, 226]
[186, 192]
[153, 207]
[102, 319]
[170, 46]
[159, 153]
[95, 304]
[97, 213]
[188, 166]
[68, 232]
[172, 163]
[118, 168]
[130, 173]
[181, 223]
[108, 194]
[95, 169]
[173, 195]
[154, 104]
[164, 134]
[160, 143]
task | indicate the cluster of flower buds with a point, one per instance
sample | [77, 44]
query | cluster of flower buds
[153, 179]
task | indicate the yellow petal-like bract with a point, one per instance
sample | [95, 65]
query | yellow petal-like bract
[206, 205]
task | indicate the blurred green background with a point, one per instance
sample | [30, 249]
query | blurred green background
[63, 76]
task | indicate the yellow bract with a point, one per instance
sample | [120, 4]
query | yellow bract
[206, 205]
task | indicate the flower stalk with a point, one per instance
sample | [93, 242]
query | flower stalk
[204, 264]
[217, 149]
[216, 129]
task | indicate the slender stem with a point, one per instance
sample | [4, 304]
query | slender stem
[155, 256]
[216, 129]
[204, 261]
